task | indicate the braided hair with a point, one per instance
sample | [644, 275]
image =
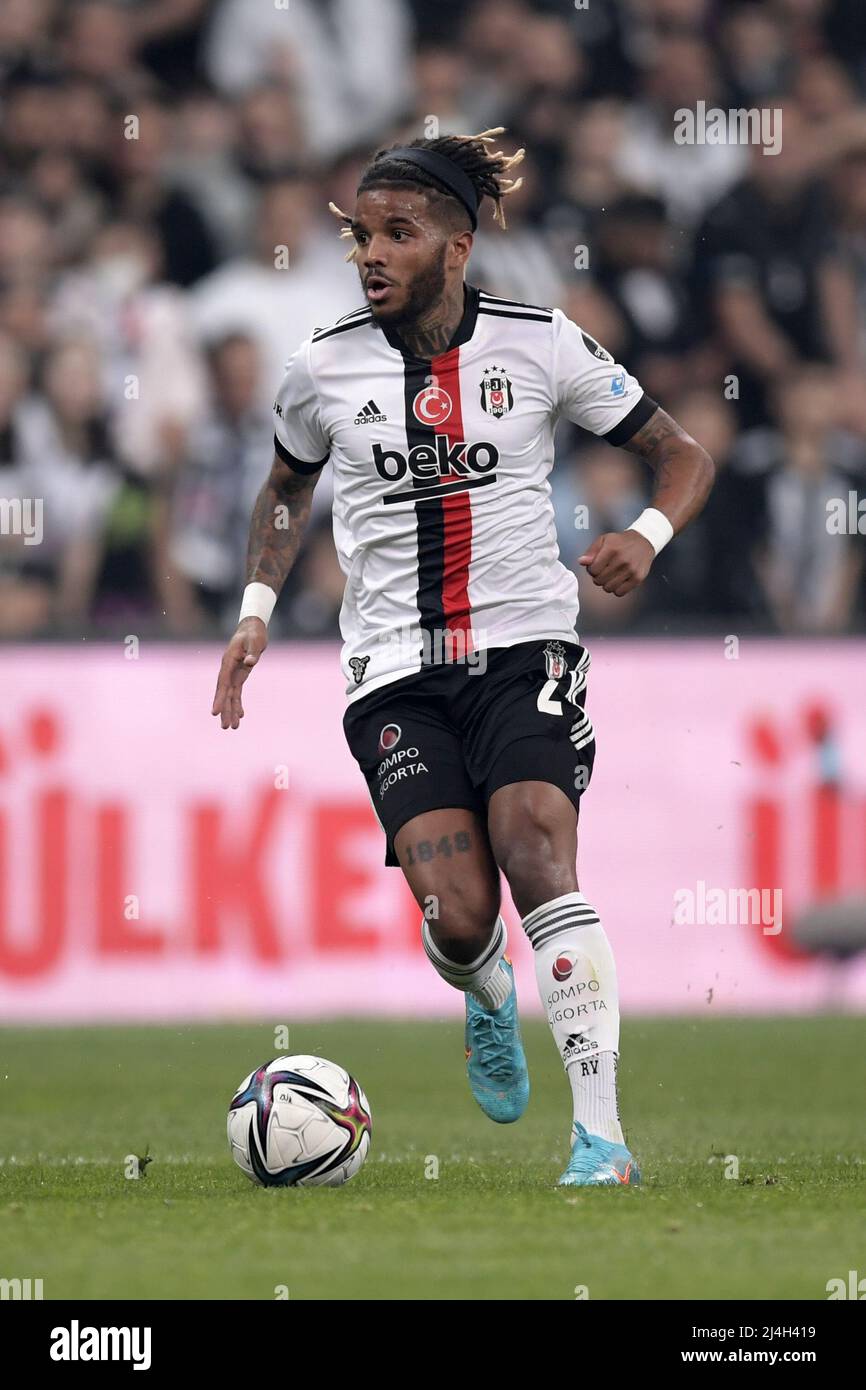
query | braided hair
[487, 171]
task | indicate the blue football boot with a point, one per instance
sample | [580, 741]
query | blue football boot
[495, 1061]
[596, 1162]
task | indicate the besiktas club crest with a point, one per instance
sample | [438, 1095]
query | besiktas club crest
[497, 396]
[554, 660]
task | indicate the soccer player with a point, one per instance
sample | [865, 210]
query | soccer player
[436, 403]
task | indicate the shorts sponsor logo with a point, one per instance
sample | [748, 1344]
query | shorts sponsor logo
[389, 737]
[432, 406]
[397, 767]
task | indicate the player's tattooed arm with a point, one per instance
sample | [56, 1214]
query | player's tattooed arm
[280, 516]
[617, 562]
[279, 520]
[684, 471]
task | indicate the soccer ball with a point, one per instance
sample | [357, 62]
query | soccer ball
[299, 1122]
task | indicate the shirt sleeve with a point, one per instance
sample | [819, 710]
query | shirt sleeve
[591, 389]
[300, 439]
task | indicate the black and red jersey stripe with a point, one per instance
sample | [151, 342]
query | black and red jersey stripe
[444, 521]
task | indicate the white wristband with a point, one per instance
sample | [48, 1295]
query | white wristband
[654, 526]
[258, 602]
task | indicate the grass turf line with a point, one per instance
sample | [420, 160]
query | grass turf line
[783, 1095]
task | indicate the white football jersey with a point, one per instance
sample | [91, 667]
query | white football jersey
[443, 520]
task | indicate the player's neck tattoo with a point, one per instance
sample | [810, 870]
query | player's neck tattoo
[430, 335]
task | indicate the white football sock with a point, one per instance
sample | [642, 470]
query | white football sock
[482, 977]
[576, 976]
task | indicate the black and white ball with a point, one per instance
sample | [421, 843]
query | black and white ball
[299, 1122]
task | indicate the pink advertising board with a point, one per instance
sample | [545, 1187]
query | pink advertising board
[153, 866]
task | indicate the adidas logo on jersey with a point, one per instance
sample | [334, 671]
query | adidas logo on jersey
[370, 414]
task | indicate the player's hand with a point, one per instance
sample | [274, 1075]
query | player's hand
[239, 658]
[618, 561]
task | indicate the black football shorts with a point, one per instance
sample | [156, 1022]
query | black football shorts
[452, 734]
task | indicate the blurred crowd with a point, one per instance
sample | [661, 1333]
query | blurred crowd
[165, 245]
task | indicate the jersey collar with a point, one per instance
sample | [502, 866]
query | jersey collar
[462, 333]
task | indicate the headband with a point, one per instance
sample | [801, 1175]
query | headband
[447, 172]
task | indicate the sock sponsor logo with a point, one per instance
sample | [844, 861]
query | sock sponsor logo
[573, 991]
[564, 1015]
[582, 1011]
[563, 966]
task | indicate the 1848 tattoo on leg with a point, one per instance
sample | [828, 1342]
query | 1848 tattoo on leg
[446, 845]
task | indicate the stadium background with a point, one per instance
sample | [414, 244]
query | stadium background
[164, 246]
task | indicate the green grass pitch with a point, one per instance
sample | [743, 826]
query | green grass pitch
[785, 1096]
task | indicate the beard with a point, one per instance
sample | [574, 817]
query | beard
[425, 291]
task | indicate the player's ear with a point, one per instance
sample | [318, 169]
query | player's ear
[461, 247]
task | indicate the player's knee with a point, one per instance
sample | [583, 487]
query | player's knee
[461, 924]
[537, 858]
